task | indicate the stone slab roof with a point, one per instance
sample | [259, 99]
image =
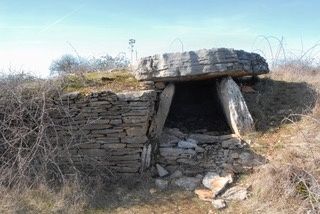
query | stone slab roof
[200, 65]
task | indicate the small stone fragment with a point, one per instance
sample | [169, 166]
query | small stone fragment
[176, 174]
[232, 143]
[161, 170]
[152, 191]
[236, 193]
[188, 183]
[187, 144]
[199, 176]
[199, 149]
[219, 203]
[215, 182]
[161, 183]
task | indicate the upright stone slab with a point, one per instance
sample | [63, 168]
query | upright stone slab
[234, 106]
[145, 157]
[163, 109]
[200, 65]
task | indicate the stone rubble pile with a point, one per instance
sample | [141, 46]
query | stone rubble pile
[199, 153]
[211, 187]
[218, 192]
[204, 163]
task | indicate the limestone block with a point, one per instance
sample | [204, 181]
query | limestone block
[162, 172]
[218, 203]
[89, 145]
[161, 183]
[176, 152]
[123, 151]
[232, 143]
[135, 140]
[124, 157]
[137, 131]
[135, 119]
[204, 138]
[146, 95]
[188, 183]
[236, 193]
[215, 182]
[107, 131]
[113, 146]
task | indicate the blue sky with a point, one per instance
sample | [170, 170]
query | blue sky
[33, 33]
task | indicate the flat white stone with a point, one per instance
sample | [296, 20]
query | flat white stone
[215, 182]
[219, 203]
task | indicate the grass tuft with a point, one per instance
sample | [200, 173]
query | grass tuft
[116, 81]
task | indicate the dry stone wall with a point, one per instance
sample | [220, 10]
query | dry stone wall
[105, 131]
[195, 153]
[122, 133]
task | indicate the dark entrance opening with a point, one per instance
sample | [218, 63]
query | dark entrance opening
[196, 107]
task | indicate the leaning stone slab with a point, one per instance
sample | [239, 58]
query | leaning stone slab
[235, 107]
[163, 110]
[199, 65]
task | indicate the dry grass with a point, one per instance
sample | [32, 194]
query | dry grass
[42, 199]
[290, 182]
[117, 80]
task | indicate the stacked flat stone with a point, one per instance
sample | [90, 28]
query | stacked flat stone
[200, 65]
[111, 129]
[199, 153]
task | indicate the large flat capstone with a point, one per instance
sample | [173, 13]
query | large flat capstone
[201, 64]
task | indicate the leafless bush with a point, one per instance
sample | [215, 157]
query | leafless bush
[281, 57]
[67, 64]
[28, 145]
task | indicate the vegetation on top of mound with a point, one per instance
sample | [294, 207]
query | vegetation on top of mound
[116, 81]
[68, 64]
